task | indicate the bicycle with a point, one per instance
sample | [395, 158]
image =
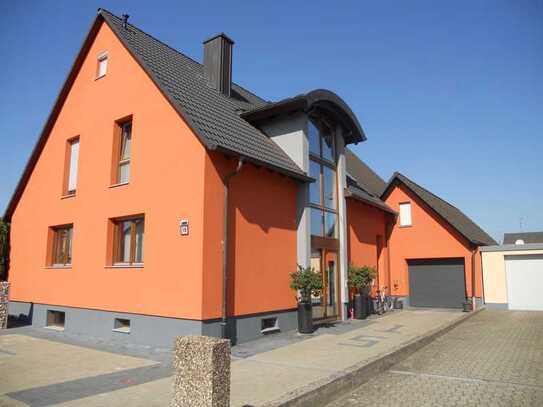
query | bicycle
[386, 300]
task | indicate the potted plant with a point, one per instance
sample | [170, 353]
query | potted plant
[359, 279]
[306, 281]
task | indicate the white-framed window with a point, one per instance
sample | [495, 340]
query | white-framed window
[72, 168]
[405, 214]
[102, 65]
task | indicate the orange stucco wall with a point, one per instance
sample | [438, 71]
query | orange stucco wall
[166, 184]
[262, 239]
[365, 224]
[428, 237]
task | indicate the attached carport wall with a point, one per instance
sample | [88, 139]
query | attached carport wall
[494, 270]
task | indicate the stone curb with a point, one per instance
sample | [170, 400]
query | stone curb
[326, 390]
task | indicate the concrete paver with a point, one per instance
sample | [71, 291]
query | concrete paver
[264, 375]
[152, 394]
[322, 356]
[492, 359]
[33, 362]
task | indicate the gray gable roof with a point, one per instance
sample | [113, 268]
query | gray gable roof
[527, 237]
[458, 220]
[363, 174]
[355, 192]
[213, 117]
[363, 184]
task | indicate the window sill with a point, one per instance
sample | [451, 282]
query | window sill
[122, 330]
[54, 328]
[68, 196]
[99, 77]
[58, 267]
[405, 226]
[120, 184]
[270, 330]
[125, 266]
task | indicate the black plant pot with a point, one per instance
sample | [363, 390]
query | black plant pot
[398, 304]
[360, 306]
[467, 306]
[305, 318]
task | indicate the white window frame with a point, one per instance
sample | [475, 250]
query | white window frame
[101, 70]
[73, 166]
[406, 217]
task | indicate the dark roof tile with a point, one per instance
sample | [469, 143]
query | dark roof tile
[212, 116]
[363, 174]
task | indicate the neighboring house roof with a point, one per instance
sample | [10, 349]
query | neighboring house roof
[452, 215]
[526, 237]
[213, 117]
[364, 175]
[319, 98]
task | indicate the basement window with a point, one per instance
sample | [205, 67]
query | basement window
[268, 325]
[56, 320]
[121, 325]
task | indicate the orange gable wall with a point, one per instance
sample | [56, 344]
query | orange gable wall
[262, 239]
[428, 237]
[365, 223]
[166, 184]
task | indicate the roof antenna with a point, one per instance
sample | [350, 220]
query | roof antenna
[125, 19]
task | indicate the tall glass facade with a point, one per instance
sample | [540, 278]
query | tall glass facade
[322, 192]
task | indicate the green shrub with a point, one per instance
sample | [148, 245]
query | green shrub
[307, 281]
[360, 277]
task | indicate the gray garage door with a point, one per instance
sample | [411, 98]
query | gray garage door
[436, 283]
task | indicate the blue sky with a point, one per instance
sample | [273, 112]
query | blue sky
[448, 93]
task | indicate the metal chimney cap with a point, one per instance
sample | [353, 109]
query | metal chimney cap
[125, 19]
[221, 34]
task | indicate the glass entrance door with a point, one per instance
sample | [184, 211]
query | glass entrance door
[325, 305]
[330, 261]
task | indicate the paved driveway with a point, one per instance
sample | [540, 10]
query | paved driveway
[42, 367]
[492, 359]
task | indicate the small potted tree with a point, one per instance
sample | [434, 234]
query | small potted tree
[306, 281]
[359, 279]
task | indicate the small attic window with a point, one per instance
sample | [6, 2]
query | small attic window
[519, 241]
[101, 69]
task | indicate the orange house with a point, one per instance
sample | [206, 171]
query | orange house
[434, 247]
[426, 251]
[162, 199]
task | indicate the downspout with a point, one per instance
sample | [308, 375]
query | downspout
[226, 182]
[388, 232]
[473, 297]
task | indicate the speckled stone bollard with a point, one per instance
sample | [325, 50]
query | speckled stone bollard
[201, 372]
[4, 290]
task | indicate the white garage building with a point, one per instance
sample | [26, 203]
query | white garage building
[513, 276]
